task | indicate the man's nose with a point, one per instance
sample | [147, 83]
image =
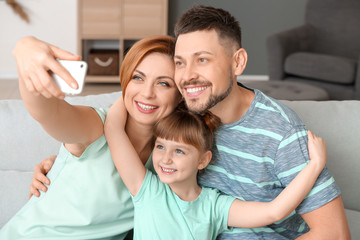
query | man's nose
[190, 72]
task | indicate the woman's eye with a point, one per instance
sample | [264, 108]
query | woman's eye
[166, 84]
[136, 77]
[179, 151]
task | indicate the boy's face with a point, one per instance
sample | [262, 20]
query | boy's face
[203, 69]
[175, 162]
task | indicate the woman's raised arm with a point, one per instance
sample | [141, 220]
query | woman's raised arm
[78, 125]
[35, 59]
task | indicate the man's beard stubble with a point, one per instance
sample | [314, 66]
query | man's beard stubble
[211, 102]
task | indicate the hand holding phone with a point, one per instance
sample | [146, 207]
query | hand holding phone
[77, 69]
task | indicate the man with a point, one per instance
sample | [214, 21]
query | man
[262, 144]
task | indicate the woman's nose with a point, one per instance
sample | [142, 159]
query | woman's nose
[148, 91]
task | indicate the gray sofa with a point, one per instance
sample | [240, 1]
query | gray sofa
[323, 52]
[23, 144]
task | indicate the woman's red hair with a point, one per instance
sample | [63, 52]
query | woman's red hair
[155, 44]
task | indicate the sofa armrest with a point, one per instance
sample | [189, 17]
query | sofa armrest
[357, 82]
[280, 45]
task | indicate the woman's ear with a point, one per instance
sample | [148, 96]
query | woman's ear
[205, 160]
[240, 60]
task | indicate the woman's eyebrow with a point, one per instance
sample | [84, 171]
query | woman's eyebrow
[168, 77]
[140, 72]
[159, 77]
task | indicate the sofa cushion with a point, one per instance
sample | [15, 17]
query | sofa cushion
[337, 122]
[14, 190]
[354, 222]
[322, 67]
[288, 90]
[21, 137]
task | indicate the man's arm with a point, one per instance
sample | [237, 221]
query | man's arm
[327, 222]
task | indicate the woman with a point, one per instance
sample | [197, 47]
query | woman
[86, 198]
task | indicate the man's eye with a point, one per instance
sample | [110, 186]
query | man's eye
[178, 63]
[203, 60]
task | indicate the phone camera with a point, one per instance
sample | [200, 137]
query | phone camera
[82, 65]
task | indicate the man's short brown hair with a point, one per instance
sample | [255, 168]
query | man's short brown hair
[199, 18]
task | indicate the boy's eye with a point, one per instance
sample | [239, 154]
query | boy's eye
[179, 151]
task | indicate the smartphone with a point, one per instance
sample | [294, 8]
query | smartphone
[77, 69]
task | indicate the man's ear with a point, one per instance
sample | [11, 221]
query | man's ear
[240, 60]
[205, 160]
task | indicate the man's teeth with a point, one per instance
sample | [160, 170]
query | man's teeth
[196, 89]
[168, 170]
[146, 107]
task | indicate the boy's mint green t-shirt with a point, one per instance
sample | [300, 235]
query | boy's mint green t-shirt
[86, 200]
[161, 214]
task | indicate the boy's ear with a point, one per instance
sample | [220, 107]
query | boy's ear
[205, 160]
[240, 60]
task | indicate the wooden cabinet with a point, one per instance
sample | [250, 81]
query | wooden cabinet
[117, 24]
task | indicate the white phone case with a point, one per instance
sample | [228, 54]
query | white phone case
[78, 70]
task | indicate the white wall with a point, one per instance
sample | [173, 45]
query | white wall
[54, 21]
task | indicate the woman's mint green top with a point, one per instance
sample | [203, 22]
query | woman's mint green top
[86, 200]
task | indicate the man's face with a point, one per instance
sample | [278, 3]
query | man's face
[203, 69]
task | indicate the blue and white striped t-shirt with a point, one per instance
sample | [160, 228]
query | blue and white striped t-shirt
[255, 158]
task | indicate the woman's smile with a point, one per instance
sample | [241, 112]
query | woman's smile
[145, 107]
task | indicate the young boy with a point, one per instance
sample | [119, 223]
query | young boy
[171, 205]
